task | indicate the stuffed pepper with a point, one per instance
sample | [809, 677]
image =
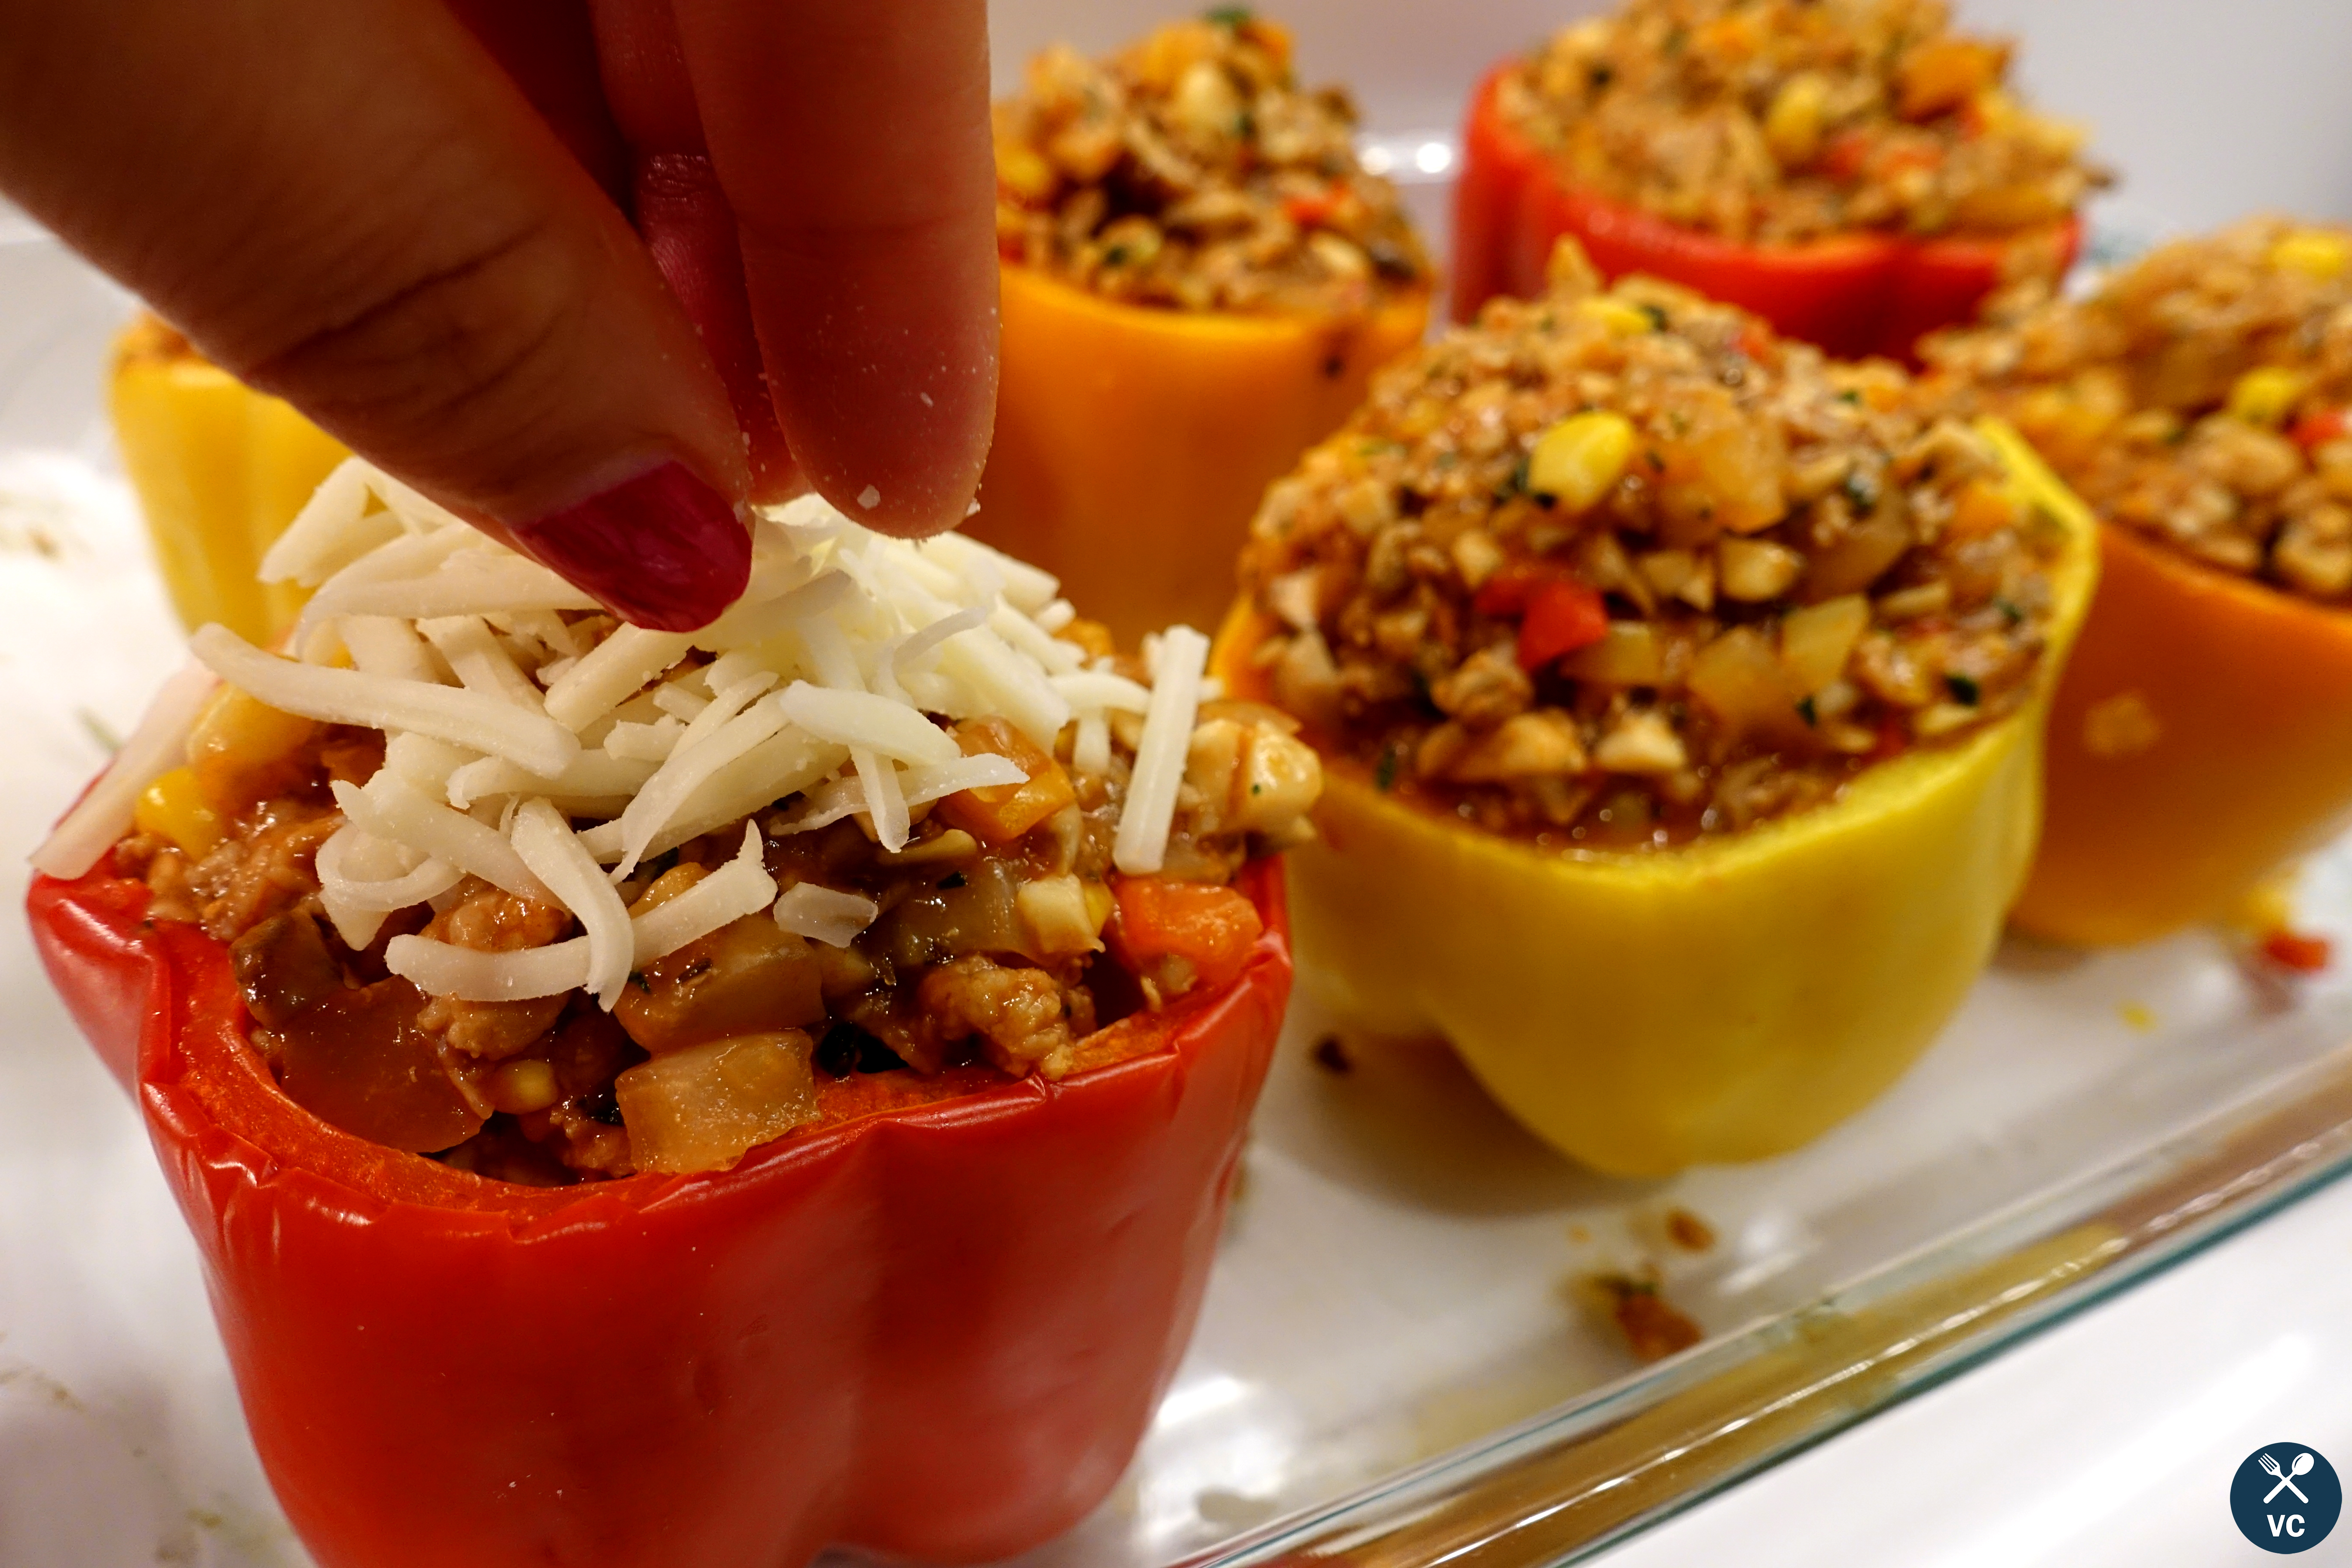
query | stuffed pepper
[1855, 171]
[220, 470]
[2198, 403]
[1679, 694]
[659, 1099]
[1199, 277]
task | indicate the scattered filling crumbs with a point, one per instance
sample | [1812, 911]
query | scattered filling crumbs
[1332, 1057]
[1191, 170]
[1784, 120]
[1653, 1327]
[2201, 396]
[1621, 569]
[1687, 1231]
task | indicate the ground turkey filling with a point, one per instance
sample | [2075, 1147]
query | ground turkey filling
[1784, 120]
[1622, 569]
[1003, 944]
[1191, 170]
[2199, 396]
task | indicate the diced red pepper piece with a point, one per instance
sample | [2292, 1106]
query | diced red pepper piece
[1210, 928]
[1312, 211]
[1562, 616]
[1558, 612]
[2295, 950]
[2317, 428]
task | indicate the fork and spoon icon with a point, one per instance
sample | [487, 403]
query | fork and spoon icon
[2302, 1467]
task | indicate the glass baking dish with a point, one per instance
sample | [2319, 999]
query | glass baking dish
[1396, 1365]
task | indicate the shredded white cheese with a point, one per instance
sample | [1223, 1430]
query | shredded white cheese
[523, 750]
[825, 915]
[1140, 845]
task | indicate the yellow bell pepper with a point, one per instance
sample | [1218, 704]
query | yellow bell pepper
[1726, 1000]
[220, 470]
[1133, 443]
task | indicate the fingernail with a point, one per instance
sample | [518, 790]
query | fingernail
[662, 551]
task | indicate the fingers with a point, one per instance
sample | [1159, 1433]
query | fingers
[852, 142]
[351, 205]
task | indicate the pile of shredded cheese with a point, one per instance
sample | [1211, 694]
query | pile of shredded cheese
[506, 729]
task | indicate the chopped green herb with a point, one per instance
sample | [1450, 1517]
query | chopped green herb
[1516, 484]
[1805, 710]
[1963, 689]
[1657, 314]
[1115, 257]
[2011, 613]
[1233, 18]
[637, 979]
[1849, 395]
[99, 730]
[1862, 490]
[1385, 776]
[952, 879]
[1244, 126]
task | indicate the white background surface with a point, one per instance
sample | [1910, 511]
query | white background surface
[2108, 1440]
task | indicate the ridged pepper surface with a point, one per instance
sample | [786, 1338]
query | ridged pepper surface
[1725, 1000]
[933, 1325]
[1853, 294]
[1133, 443]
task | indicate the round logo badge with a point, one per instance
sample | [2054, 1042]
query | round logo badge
[2285, 1498]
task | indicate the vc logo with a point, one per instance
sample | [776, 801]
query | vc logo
[2285, 1498]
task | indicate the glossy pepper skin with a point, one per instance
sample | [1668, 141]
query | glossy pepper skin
[2203, 735]
[933, 1326]
[1133, 443]
[1853, 294]
[220, 470]
[1725, 1000]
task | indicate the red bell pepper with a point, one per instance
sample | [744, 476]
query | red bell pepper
[1853, 294]
[933, 1325]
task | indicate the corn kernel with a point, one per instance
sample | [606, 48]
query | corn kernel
[242, 750]
[523, 1086]
[175, 808]
[1023, 172]
[1625, 321]
[2267, 394]
[1793, 125]
[1576, 460]
[2317, 253]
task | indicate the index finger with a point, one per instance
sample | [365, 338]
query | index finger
[852, 142]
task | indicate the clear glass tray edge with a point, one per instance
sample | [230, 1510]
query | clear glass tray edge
[2198, 1186]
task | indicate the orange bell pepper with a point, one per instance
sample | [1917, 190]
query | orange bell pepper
[1853, 294]
[1133, 443]
[2202, 734]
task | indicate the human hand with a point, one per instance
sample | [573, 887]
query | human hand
[406, 218]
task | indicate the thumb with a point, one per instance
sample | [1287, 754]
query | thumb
[351, 206]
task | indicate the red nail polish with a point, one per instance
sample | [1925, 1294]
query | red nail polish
[663, 550]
